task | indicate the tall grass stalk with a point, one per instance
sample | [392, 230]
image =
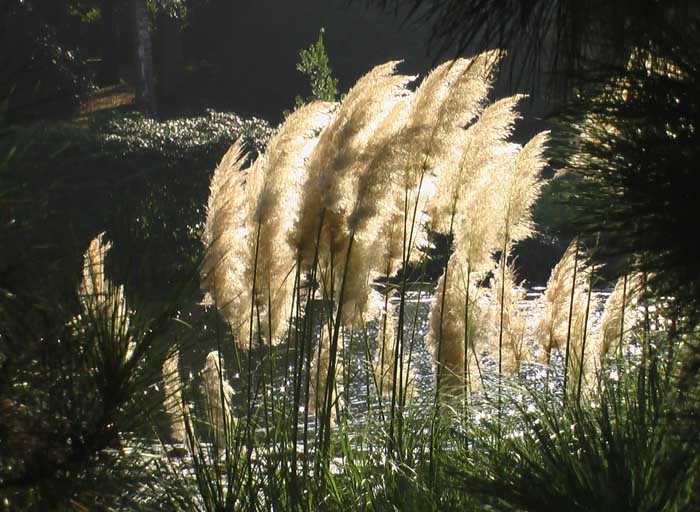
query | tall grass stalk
[585, 334]
[571, 315]
[342, 195]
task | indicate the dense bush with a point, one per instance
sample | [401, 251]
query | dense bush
[141, 180]
[41, 75]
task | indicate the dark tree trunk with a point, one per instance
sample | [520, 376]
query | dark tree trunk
[109, 67]
[170, 56]
[145, 83]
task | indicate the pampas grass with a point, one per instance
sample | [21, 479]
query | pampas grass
[172, 402]
[225, 240]
[318, 378]
[620, 315]
[510, 296]
[385, 358]
[273, 202]
[341, 198]
[552, 326]
[102, 303]
[298, 244]
[218, 395]
[456, 316]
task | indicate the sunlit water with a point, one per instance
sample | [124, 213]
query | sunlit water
[356, 388]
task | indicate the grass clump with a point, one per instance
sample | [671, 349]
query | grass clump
[343, 387]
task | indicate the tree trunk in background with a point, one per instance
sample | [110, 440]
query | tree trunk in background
[109, 67]
[145, 83]
[169, 53]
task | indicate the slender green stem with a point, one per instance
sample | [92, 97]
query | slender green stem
[396, 417]
[622, 317]
[465, 363]
[330, 379]
[585, 333]
[571, 316]
[504, 262]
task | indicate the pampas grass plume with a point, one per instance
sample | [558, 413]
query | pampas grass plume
[172, 403]
[218, 395]
[102, 301]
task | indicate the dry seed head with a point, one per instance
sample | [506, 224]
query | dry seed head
[274, 191]
[103, 301]
[450, 97]
[448, 328]
[612, 326]
[345, 189]
[468, 86]
[341, 157]
[219, 187]
[225, 239]
[471, 152]
[521, 188]
[476, 222]
[94, 283]
[552, 326]
[374, 179]
[172, 402]
[218, 394]
[504, 292]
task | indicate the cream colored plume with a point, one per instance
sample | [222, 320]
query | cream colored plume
[449, 98]
[249, 217]
[275, 194]
[448, 331]
[473, 152]
[346, 185]
[219, 187]
[338, 159]
[614, 329]
[369, 208]
[318, 376]
[552, 327]
[218, 395]
[504, 288]
[521, 187]
[225, 239]
[475, 225]
[172, 402]
[102, 301]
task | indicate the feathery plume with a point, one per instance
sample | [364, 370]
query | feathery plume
[474, 152]
[521, 186]
[318, 376]
[475, 225]
[172, 403]
[225, 240]
[625, 300]
[218, 395]
[333, 166]
[447, 326]
[249, 261]
[552, 326]
[345, 186]
[449, 98]
[504, 290]
[102, 301]
[274, 194]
